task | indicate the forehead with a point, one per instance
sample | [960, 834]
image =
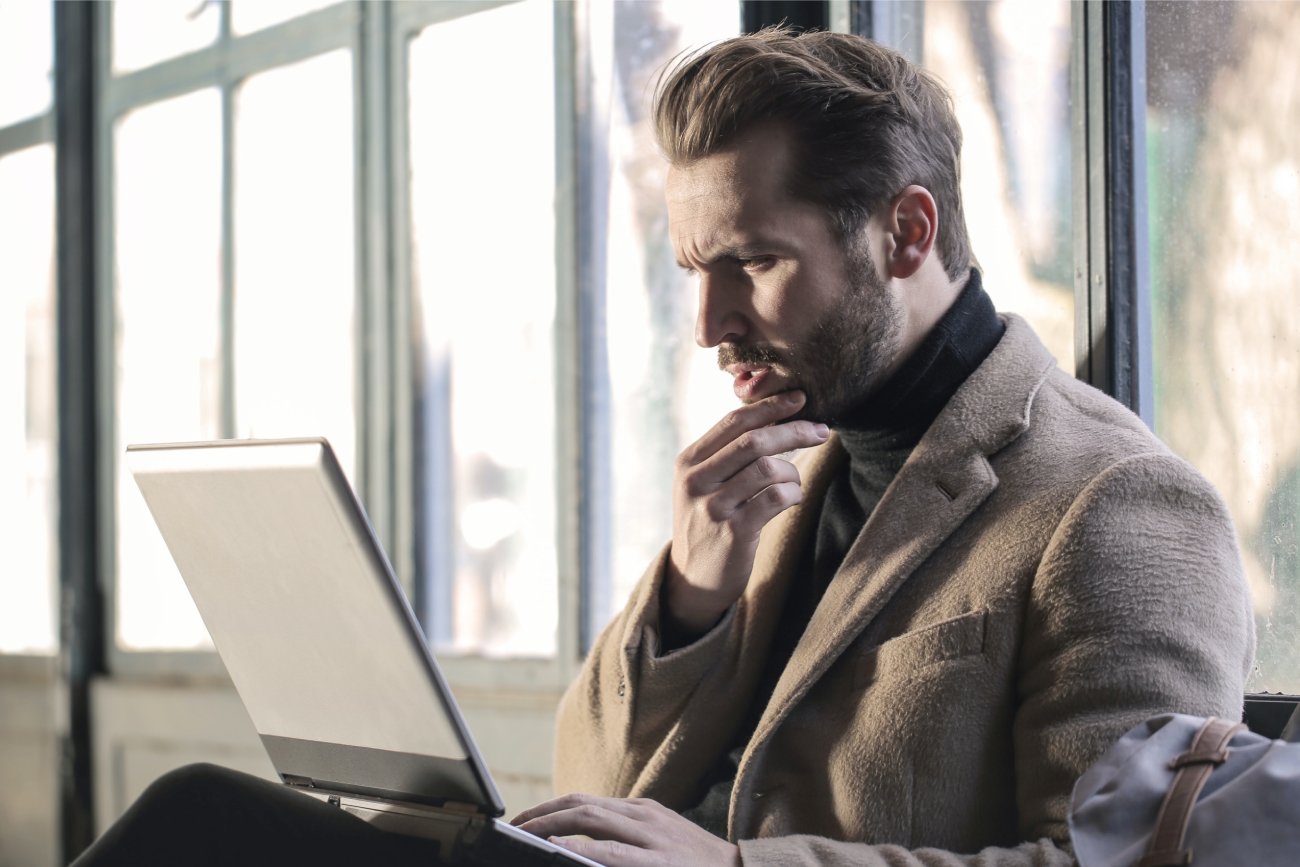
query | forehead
[739, 190]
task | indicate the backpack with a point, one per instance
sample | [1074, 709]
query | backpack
[1183, 790]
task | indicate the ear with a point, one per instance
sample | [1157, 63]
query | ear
[912, 224]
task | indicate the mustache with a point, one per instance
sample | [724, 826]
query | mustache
[737, 353]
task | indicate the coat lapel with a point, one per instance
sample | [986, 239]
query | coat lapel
[924, 505]
[946, 478]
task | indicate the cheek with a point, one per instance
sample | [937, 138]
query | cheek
[794, 303]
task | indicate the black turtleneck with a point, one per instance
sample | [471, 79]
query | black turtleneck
[879, 437]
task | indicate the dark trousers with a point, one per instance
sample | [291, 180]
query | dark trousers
[206, 815]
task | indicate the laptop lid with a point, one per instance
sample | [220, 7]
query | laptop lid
[310, 621]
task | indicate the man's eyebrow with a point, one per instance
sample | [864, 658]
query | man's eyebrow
[741, 251]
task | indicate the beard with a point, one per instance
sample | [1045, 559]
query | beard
[843, 358]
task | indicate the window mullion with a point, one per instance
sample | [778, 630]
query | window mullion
[226, 396]
[1113, 331]
[574, 585]
[81, 603]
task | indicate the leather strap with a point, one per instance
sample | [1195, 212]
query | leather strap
[1209, 750]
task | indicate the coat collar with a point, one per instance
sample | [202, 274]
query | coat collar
[946, 478]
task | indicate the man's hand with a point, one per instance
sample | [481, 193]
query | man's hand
[635, 832]
[727, 485]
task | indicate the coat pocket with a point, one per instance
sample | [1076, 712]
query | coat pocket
[910, 652]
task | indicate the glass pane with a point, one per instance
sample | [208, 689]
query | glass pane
[1007, 65]
[28, 495]
[148, 31]
[483, 223]
[664, 391]
[249, 15]
[1224, 175]
[167, 190]
[26, 53]
[295, 284]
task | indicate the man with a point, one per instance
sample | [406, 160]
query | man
[902, 651]
[906, 647]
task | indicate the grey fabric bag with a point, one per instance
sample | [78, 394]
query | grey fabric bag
[1185, 790]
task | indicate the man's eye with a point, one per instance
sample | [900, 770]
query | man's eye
[757, 263]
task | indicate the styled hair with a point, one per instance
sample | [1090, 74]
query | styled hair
[864, 120]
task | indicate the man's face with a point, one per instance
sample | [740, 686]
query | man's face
[786, 305]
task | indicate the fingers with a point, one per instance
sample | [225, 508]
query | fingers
[747, 447]
[756, 415]
[608, 852]
[610, 819]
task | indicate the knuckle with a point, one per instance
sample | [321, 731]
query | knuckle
[774, 496]
[692, 484]
[572, 800]
[766, 466]
[589, 811]
[715, 510]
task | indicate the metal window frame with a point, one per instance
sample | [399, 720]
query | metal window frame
[1113, 343]
[81, 647]
[899, 24]
[592, 413]
[799, 14]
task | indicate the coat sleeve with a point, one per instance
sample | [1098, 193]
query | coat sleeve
[1139, 607]
[623, 711]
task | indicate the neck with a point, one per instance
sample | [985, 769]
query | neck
[956, 344]
[927, 297]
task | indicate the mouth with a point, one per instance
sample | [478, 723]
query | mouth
[749, 379]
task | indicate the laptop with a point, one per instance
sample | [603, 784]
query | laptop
[321, 643]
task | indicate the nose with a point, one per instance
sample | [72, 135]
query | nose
[719, 319]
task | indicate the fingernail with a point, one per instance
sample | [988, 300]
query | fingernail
[821, 430]
[794, 397]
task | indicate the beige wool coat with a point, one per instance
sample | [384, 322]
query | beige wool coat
[1040, 576]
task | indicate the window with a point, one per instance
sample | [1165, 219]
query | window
[483, 182]
[1007, 65]
[28, 424]
[30, 701]
[167, 241]
[233, 237]
[1224, 206]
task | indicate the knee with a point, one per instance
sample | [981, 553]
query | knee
[187, 784]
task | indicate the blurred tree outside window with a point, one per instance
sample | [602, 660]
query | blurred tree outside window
[1224, 178]
[1007, 65]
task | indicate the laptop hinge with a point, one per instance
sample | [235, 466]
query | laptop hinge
[300, 782]
[462, 808]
